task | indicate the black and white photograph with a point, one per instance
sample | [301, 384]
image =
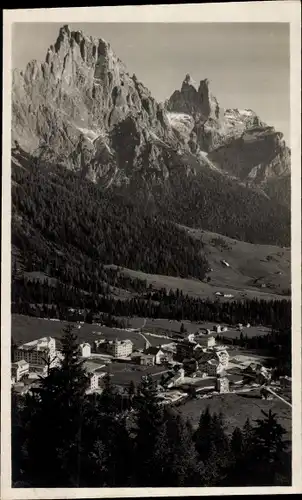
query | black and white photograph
[151, 338]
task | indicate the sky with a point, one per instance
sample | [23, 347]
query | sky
[247, 64]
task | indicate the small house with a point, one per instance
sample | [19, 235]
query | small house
[85, 350]
[217, 328]
[222, 384]
[19, 369]
[158, 354]
[143, 359]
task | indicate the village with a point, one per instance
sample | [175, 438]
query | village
[189, 366]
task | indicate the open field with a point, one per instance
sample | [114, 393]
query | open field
[26, 328]
[261, 271]
[123, 373]
[192, 327]
[237, 408]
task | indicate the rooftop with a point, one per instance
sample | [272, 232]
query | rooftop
[22, 362]
[120, 342]
[152, 350]
[213, 362]
[36, 344]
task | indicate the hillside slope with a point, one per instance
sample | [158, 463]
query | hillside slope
[255, 271]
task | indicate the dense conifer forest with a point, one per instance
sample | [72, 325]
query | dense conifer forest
[64, 223]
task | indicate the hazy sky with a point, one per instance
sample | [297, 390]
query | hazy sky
[247, 63]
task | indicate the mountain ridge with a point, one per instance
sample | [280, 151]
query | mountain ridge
[81, 110]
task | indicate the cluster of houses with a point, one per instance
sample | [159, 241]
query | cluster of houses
[124, 350]
[33, 359]
[196, 362]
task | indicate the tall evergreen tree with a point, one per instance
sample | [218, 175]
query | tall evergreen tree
[237, 442]
[183, 467]
[54, 434]
[149, 419]
[269, 450]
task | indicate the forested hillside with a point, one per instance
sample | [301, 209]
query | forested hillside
[66, 224]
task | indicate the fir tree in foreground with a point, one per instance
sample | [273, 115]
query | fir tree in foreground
[260, 456]
[54, 431]
[165, 454]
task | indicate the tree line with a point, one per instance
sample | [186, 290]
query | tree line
[63, 437]
[55, 301]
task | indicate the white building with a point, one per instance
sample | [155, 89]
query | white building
[40, 370]
[93, 381]
[205, 340]
[222, 384]
[120, 348]
[191, 337]
[36, 352]
[158, 353]
[19, 369]
[177, 379]
[212, 361]
[223, 357]
[85, 350]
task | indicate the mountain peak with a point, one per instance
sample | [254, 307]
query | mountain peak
[196, 100]
[189, 82]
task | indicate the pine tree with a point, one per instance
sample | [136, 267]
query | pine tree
[149, 418]
[131, 391]
[269, 450]
[183, 468]
[54, 433]
[202, 435]
[182, 329]
[263, 461]
[237, 442]
[212, 446]
[108, 402]
[247, 435]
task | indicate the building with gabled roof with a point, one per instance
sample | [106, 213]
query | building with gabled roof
[36, 352]
[19, 369]
[85, 350]
[157, 352]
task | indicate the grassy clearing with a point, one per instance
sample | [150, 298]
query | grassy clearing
[123, 373]
[173, 326]
[237, 408]
[261, 271]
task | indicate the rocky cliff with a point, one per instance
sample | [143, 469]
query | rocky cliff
[237, 142]
[185, 159]
[81, 108]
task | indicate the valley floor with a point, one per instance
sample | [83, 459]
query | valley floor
[158, 331]
[237, 407]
